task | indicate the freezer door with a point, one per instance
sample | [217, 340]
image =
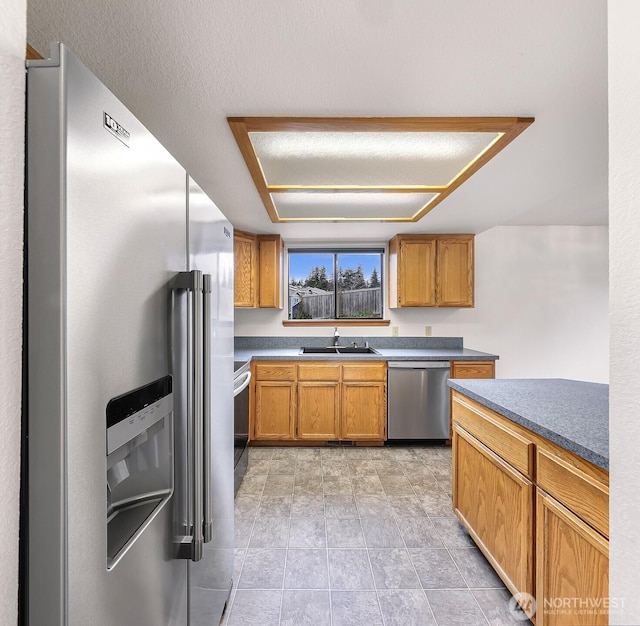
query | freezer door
[211, 251]
[106, 231]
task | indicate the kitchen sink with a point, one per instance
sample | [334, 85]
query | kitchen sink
[314, 350]
[357, 351]
[336, 350]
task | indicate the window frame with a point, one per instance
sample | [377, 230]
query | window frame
[335, 251]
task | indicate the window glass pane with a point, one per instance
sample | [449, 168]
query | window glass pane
[311, 286]
[331, 284]
[359, 285]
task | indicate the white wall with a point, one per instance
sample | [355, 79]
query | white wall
[624, 202]
[12, 48]
[579, 316]
[541, 305]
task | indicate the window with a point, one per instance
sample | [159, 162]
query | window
[335, 283]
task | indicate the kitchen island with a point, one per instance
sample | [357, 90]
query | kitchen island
[531, 485]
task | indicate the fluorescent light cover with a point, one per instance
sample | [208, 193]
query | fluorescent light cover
[350, 206]
[377, 168]
[367, 158]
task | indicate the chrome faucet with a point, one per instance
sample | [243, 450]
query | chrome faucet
[336, 336]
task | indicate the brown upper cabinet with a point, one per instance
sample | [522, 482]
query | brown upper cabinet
[431, 271]
[258, 270]
[245, 254]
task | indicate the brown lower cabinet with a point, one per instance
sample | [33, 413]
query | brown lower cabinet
[495, 503]
[572, 567]
[318, 410]
[318, 401]
[364, 411]
[275, 403]
[538, 512]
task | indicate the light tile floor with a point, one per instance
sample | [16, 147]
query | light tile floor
[346, 536]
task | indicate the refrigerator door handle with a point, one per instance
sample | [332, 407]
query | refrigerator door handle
[207, 524]
[191, 546]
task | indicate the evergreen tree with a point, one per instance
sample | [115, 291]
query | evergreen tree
[374, 281]
[349, 279]
[318, 278]
[346, 280]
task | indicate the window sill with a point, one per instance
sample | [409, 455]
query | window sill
[339, 322]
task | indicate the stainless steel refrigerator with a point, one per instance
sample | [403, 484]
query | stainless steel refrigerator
[128, 417]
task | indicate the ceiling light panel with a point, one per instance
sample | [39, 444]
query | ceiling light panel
[312, 159]
[314, 205]
[373, 168]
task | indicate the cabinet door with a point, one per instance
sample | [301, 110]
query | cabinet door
[245, 254]
[572, 581]
[454, 281]
[274, 409]
[495, 504]
[318, 410]
[364, 411]
[417, 273]
[270, 255]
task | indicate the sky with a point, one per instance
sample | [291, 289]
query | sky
[301, 264]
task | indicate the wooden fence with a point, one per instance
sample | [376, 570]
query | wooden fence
[365, 303]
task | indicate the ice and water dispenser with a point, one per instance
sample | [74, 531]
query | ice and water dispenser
[139, 462]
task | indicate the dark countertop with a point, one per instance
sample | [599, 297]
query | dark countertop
[399, 354]
[389, 349]
[571, 413]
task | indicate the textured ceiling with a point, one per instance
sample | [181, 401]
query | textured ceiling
[184, 66]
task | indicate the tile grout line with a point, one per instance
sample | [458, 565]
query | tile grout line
[460, 571]
[255, 516]
[439, 487]
[424, 591]
[326, 538]
[446, 547]
[286, 553]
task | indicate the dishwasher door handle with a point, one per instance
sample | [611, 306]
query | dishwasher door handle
[418, 365]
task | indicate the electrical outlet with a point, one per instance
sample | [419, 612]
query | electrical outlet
[427, 331]
[394, 331]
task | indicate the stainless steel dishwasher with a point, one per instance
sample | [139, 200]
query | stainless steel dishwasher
[418, 400]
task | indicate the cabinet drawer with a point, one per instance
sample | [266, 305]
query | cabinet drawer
[507, 444]
[365, 371]
[582, 494]
[473, 369]
[318, 371]
[275, 371]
